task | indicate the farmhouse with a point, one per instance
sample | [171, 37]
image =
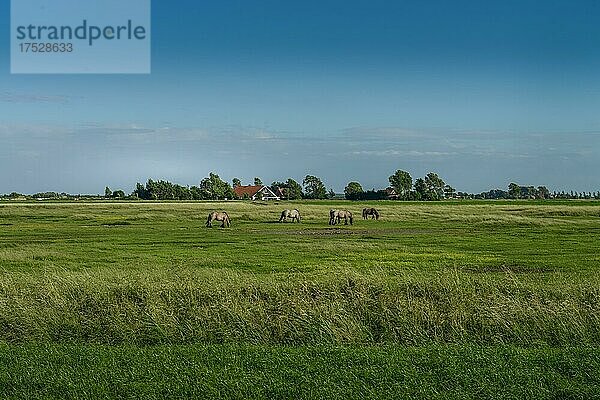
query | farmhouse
[391, 193]
[260, 192]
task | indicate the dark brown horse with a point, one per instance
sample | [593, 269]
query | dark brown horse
[370, 211]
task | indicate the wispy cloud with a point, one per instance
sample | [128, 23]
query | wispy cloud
[361, 142]
[34, 131]
[29, 98]
[131, 151]
[401, 153]
[384, 133]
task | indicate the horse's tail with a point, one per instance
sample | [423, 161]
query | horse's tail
[350, 217]
[299, 216]
[228, 219]
[376, 214]
[364, 213]
[208, 220]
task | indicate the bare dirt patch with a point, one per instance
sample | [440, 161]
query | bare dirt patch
[341, 231]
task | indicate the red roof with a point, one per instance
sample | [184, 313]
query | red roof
[240, 191]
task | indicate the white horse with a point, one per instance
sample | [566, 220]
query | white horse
[294, 215]
[218, 216]
[335, 217]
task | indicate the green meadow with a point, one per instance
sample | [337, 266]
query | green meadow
[434, 300]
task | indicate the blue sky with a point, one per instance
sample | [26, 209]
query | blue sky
[483, 93]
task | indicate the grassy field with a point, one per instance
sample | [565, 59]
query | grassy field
[434, 300]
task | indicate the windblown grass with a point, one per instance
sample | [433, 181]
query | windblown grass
[341, 308]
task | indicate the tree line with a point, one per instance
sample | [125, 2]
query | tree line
[214, 188]
[516, 191]
[431, 187]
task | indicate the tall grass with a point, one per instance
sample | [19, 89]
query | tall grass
[342, 308]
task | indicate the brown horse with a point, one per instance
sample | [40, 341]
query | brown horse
[370, 211]
[218, 216]
[335, 217]
[292, 214]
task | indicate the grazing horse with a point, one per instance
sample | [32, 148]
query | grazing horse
[335, 217]
[332, 216]
[218, 216]
[292, 214]
[370, 211]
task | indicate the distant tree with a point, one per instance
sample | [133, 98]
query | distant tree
[314, 188]
[402, 182]
[196, 193]
[257, 182]
[528, 192]
[371, 195]
[276, 185]
[331, 194]
[160, 190]
[214, 188]
[46, 195]
[514, 191]
[420, 189]
[140, 192]
[182, 192]
[236, 182]
[435, 186]
[118, 194]
[293, 190]
[107, 192]
[353, 191]
[543, 192]
[151, 190]
[494, 194]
